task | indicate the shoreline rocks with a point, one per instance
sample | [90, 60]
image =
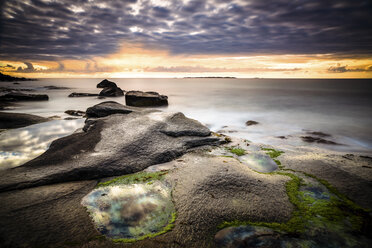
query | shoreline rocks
[17, 120]
[251, 123]
[18, 96]
[114, 145]
[145, 99]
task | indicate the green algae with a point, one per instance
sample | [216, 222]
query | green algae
[337, 213]
[236, 150]
[140, 177]
[274, 154]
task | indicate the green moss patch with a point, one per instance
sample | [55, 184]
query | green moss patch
[334, 215]
[236, 150]
[140, 177]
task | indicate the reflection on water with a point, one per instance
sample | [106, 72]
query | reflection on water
[130, 211]
[18, 146]
[259, 162]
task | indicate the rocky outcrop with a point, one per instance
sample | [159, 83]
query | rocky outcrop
[114, 145]
[75, 112]
[111, 91]
[107, 108]
[106, 84]
[145, 99]
[18, 96]
[75, 94]
[17, 120]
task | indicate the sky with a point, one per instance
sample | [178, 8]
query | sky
[187, 38]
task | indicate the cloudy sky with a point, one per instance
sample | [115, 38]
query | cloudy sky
[161, 38]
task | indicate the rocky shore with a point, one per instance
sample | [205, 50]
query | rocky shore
[140, 177]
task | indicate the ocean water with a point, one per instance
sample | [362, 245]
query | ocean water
[283, 107]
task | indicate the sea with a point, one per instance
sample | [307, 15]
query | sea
[285, 109]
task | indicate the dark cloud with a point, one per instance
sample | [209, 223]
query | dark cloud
[28, 69]
[81, 29]
[343, 69]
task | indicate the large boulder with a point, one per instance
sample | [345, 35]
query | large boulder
[111, 91]
[106, 84]
[145, 99]
[17, 120]
[107, 108]
[18, 96]
[76, 94]
[114, 145]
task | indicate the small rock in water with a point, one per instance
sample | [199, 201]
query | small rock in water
[251, 123]
[76, 94]
[111, 91]
[319, 134]
[311, 139]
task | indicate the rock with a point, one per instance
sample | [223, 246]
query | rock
[7, 78]
[106, 84]
[319, 134]
[145, 99]
[17, 96]
[52, 87]
[75, 94]
[251, 123]
[75, 112]
[113, 145]
[17, 120]
[281, 137]
[311, 139]
[107, 108]
[111, 91]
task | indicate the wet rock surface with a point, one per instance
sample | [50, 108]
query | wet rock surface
[17, 120]
[145, 99]
[311, 139]
[114, 145]
[18, 96]
[108, 108]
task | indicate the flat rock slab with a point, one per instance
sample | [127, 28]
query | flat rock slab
[16, 120]
[18, 96]
[145, 99]
[114, 145]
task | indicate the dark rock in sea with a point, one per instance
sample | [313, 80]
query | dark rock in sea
[111, 91]
[75, 112]
[101, 97]
[311, 139]
[106, 84]
[16, 83]
[251, 123]
[107, 108]
[281, 137]
[114, 145]
[52, 87]
[75, 94]
[319, 134]
[17, 120]
[6, 89]
[17, 96]
[70, 118]
[145, 99]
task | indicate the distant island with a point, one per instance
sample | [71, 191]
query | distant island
[7, 78]
[212, 77]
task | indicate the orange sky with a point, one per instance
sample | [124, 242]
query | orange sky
[133, 61]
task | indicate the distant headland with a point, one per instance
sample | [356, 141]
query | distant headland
[212, 77]
[7, 78]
